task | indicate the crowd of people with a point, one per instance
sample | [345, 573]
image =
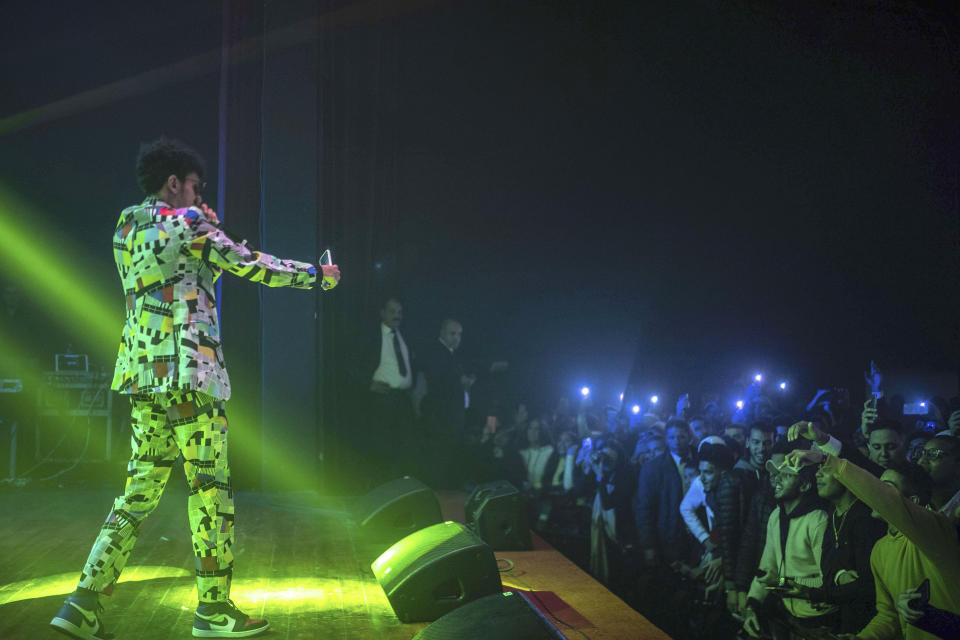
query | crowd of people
[772, 521]
[757, 524]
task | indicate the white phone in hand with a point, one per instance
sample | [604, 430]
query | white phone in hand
[326, 258]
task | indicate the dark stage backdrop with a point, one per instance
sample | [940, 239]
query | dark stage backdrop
[310, 133]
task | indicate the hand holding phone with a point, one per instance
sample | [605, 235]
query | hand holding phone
[330, 271]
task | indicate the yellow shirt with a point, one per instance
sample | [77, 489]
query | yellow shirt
[926, 546]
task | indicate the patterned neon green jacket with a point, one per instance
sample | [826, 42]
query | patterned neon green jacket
[169, 260]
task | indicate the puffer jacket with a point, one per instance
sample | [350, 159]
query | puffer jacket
[753, 536]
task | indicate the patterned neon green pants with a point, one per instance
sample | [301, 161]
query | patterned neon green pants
[164, 426]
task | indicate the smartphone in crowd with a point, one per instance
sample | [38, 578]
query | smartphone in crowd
[915, 409]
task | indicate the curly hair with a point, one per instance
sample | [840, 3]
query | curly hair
[162, 158]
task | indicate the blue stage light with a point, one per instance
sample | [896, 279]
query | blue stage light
[783, 386]
[584, 391]
[654, 399]
[739, 404]
[636, 409]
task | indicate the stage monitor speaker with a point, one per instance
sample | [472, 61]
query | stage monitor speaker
[395, 510]
[504, 616]
[436, 570]
[498, 513]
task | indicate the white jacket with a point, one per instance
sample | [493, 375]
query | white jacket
[802, 560]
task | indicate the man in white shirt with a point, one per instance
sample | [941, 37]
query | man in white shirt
[391, 441]
[393, 373]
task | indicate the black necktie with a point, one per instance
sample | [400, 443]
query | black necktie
[401, 363]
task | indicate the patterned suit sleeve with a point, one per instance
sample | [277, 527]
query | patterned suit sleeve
[214, 246]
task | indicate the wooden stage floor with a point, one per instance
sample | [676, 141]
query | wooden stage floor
[298, 563]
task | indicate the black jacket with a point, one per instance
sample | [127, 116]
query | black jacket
[657, 510]
[753, 536]
[443, 407]
[730, 507]
[857, 532]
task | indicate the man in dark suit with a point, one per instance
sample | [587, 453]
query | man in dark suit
[444, 405]
[385, 440]
[661, 532]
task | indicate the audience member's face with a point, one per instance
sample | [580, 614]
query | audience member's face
[392, 314]
[759, 446]
[678, 441]
[656, 448]
[828, 487]
[533, 433]
[777, 459]
[896, 481]
[786, 485]
[737, 434]
[566, 441]
[942, 466]
[781, 432]
[699, 429]
[712, 411]
[882, 446]
[709, 475]
[451, 334]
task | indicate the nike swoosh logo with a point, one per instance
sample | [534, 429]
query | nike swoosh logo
[222, 621]
[83, 614]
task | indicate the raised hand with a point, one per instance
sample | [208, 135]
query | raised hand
[807, 430]
[210, 214]
[953, 423]
[869, 415]
[683, 404]
[331, 276]
[874, 377]
[802, 457]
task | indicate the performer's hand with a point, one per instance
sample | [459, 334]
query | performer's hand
[331, 276]
[379, 387]
[210, 214]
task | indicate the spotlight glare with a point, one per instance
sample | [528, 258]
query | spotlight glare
[654, 399]
[783, 386]
[739, 404]
[636, 409]
[584, 391]
[758, 377]
[621, 397]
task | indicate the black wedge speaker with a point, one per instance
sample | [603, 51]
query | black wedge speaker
[498, 513]
[436, 570]
[504, 616]
[394, 510]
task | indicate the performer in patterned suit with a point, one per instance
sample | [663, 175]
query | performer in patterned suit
[170, 251]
